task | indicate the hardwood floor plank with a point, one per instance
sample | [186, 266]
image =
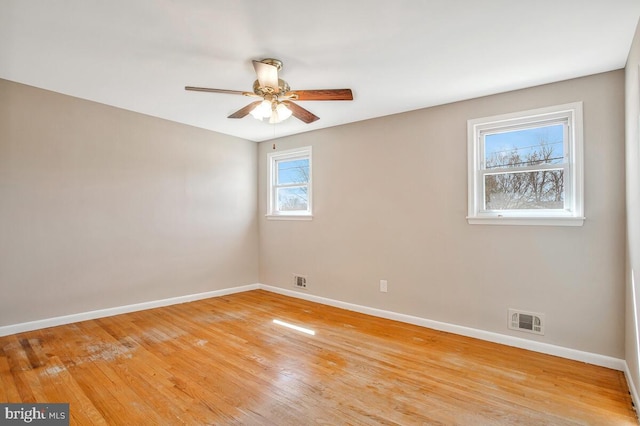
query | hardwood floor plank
[224, 361]
[9, 391]
[62, 387]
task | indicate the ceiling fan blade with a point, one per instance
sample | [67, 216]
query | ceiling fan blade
[244, 111]
[267, 75]
[300, 113]
[321, 95]
[207, 89]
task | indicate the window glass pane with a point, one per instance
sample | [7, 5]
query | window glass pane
[525, 147]
[292, 199]
[293, 171]
[542, 189]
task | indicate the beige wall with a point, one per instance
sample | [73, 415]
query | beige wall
[390, 199]
[101, 207]
[633, 207]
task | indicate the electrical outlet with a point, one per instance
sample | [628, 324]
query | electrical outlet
[383, 286]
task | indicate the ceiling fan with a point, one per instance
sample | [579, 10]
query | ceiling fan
[277, 98]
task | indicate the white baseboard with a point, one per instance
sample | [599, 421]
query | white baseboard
[632, 388]
[590, 358]
[102, 313]
[573, 354]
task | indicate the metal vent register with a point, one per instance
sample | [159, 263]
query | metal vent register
[526, 321]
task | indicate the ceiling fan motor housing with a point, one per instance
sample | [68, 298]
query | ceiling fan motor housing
[283, 87]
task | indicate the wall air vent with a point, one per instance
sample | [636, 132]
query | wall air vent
[299, 281]
[526, 321]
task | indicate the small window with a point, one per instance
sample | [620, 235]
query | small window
[526, 168]
[290, 184]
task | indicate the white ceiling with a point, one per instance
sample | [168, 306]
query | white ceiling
[396, 56]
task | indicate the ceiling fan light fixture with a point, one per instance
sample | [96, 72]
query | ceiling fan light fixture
[279, 113]
[283, 111]
[274, 118]
[262, 111]
[272, 109]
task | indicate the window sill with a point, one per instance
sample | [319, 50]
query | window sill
[288, 217]
[536, 221]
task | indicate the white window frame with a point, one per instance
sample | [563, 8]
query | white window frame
[272, 207]
[573, 212]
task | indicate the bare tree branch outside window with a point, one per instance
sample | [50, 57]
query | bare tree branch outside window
[295, 175]
[509, 188]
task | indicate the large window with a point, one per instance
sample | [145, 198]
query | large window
[290, 184]
[526, 168]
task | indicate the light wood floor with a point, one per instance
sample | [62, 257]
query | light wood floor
[223, 361]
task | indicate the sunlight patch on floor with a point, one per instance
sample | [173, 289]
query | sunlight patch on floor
[294, 327]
